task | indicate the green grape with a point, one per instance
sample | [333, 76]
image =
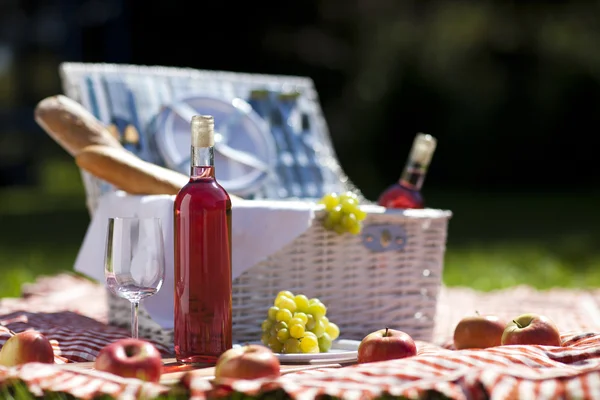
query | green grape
[273, 312]
[297, 331]
[280, 325]
[360, 214]
[319, 328]
[332, 330]
[313, 349]
[284, 315]
[318, 310]
[348, 221]
[313, 301]
[348, 195]
[285, 302]
[348, 205]
[309, 344]
[275, 345]
[283, 335]
[324, 343]
[266, 325]
[310, 321]
[301, 316]
[291, 346]
[355, 230]
[265, 338]
[311, 334]
[334, 216]
[301, 302]
[295, 321]
[285, 293]
[330, 200]
[325, 320]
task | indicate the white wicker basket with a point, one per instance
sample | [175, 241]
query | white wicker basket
[389, 275]
[364, 290]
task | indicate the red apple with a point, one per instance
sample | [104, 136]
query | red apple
[386, 344]
[131, 358]
[531, 329]
[478, 332]
[24, 347]
[251, 361]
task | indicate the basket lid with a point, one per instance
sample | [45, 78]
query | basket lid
[284, 128]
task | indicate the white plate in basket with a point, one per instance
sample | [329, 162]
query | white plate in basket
[342, 351]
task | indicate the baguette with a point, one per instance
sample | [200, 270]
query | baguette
[128, 172]
[71, 125]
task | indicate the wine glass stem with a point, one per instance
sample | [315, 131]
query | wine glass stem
[135, 306]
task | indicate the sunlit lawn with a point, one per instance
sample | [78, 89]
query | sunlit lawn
[543, 240]
[41, 228]
[494, 241]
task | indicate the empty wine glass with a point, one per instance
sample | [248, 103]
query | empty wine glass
[134, 264]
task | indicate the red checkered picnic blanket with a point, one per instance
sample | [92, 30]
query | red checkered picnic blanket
[75, 337]
[569, 371]
[510, 372]
[68, 310]
[507, 372]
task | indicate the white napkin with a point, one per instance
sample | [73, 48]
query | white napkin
[259, 228]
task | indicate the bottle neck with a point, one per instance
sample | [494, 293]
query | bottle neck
[413, 175]
[202, 162]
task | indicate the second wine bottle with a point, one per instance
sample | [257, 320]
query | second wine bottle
[406, 193]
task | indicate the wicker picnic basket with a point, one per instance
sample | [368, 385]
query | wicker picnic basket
[389, 275]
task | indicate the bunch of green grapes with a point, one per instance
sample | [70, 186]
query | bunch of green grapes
[343, 213]
[297, 324]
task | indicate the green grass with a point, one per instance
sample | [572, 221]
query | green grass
[41, 228]
[494, 240]
[500, 240]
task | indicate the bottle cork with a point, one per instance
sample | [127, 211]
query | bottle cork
[203, 131]
[423, 148]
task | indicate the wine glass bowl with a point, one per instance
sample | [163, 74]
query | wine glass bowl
[134, 266]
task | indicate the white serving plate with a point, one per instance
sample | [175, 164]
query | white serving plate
[342, 351]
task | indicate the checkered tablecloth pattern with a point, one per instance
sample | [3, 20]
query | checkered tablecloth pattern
[509, 372]
[75, 321]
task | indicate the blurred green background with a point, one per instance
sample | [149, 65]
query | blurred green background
[510, 89]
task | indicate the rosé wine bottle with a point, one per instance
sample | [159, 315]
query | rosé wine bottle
[202, 229]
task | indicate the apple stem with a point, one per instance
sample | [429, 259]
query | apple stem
[518, 324]
[477, 312]
[386, 331]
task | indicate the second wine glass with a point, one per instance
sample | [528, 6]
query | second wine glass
[134, 265]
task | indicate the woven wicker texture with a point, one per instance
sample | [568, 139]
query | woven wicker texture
[363, 290]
